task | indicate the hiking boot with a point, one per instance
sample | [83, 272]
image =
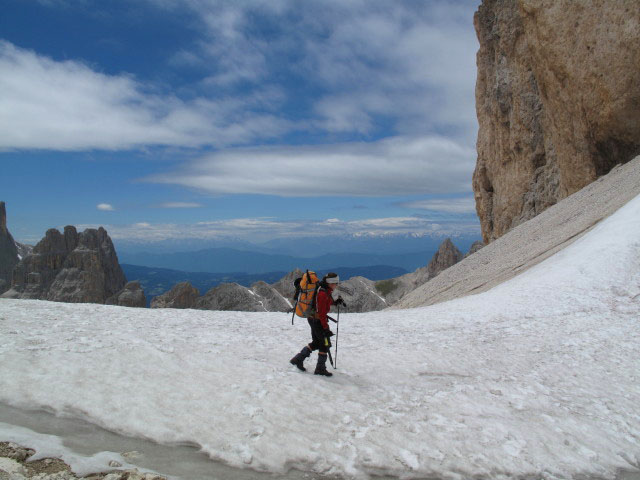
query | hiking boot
[321, 366]
[298, 360]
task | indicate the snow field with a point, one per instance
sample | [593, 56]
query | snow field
[538, 376]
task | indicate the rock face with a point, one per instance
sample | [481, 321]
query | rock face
[474, 248]
[285, 285]
[270, 298]
[8, 251]
[131, 295]
[557, 99]
[23, 250]
[447, 255]
[69, 267]
[182, 295]
[360, 295]
[261, 297]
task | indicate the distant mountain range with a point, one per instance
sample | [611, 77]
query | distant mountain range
[223, 260]
[156, 281]
[309, 246]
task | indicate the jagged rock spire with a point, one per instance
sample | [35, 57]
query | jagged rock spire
[3, 219]
[8, 251]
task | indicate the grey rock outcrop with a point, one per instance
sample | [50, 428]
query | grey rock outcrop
[69, 267]
[475, 246]
[360, 295]
[23, 250]
[261, 297]
[557, 98]
[132, 295]
[182, 295]
[271, 299]
[285, 285]
[8, 252]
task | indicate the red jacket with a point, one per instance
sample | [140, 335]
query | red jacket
[324, 300]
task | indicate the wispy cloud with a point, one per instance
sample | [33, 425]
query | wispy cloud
[260, 229]
[105, 207]
[267, 68]
[395, 166]
[464, 205]
[66, 105]
[410, 63]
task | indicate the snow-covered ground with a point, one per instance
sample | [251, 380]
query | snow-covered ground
[539, 376]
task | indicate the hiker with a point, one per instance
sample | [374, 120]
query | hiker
[320, 331]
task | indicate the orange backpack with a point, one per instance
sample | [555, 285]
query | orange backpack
[306, 291]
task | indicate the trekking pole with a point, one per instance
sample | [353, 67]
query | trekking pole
[337, 335]
[293, 314]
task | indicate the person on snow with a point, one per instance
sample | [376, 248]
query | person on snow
[320, 331]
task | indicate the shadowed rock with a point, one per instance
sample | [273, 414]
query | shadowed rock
[360, 295]
[261, 297]
[69, 267]
[8, 252]
[182, 295]
[477, 245]
[285, 285]
[447, 255]
[132, 295]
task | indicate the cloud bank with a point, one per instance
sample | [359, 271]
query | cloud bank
[268, 69]
[67, 106]
[261, 229]
[390, 167]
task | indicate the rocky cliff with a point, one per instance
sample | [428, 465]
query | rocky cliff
[182, 295]
[557, 99]
[132, 295]
[360, 295]
[69, 267]
[8, 251]
[261, 297]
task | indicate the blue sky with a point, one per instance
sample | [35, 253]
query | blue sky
[249, 120]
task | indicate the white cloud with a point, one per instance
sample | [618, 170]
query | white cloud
[373, 68]
[411, 61]
[262, 229]
[105, 207]
[47, 104]
[449, 205]
[394, 166]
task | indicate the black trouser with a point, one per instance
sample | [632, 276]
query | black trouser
[317, 335]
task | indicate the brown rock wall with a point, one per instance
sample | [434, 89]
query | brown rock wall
[557, 98]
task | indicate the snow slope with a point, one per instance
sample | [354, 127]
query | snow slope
[533, 241]
[538, 376]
